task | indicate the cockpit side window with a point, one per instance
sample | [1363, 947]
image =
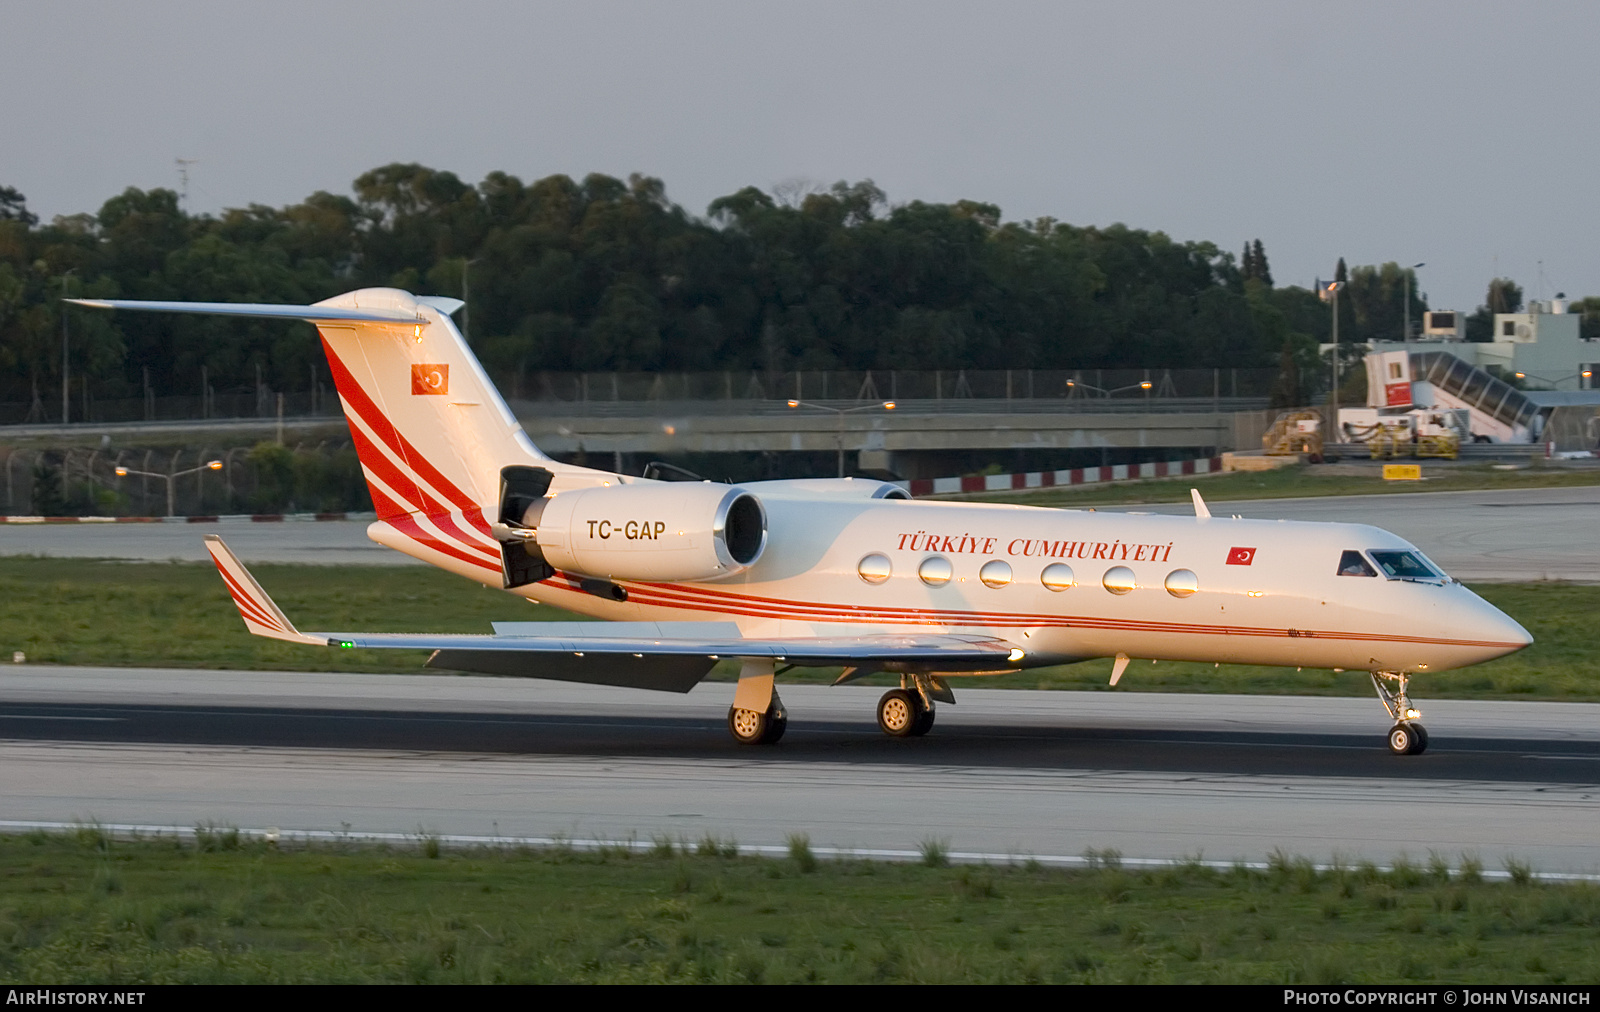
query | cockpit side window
[1352, 564]
[1404, 566]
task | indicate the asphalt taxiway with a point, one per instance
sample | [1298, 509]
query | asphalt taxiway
[1004, 772]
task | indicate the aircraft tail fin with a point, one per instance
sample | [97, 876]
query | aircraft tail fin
[261, 614]
[429, 426]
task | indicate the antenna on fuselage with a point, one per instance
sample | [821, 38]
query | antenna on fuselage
[1200, 509]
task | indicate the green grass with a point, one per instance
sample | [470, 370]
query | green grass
[87, 909]
[92, 612]
[1302, 481]
[176, 614]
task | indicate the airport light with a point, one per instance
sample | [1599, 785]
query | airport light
[1586, 374]
[1102, 391]
[841, 412]
[210, 465]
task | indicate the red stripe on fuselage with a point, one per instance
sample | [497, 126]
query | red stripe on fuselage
[408, 526]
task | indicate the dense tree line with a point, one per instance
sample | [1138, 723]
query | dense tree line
[609, 274]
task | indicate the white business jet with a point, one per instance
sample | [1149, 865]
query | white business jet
[829, 572]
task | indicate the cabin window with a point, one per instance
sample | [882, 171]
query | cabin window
[1119, 580]
[935, 571]
[1057, 576]
[1351, 563]
[1182, 583]
[874, 568]
[1404, 566]
[996, 573]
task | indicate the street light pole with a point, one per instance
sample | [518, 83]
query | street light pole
[210, 465]
[1144, 385]
[841, 412]
[1406, 334]
[66, 396]
[1331, 293]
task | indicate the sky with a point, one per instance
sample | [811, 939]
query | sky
[1450, 132]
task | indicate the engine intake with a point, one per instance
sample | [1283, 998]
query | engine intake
[674, 531]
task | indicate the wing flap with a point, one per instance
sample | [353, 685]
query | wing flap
[634, 671]
[935, 649]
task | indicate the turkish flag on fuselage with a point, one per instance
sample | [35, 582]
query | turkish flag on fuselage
[1241, 556]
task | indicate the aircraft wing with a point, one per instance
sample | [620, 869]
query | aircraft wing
[658, 655]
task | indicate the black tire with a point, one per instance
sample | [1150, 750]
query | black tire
[1422, 739]
[924, 722]
[777, 723]
[898, 713]
[1405, 739]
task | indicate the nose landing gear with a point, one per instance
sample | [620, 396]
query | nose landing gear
[1407, 737]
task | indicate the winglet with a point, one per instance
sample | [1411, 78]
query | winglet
[261, 615]
[1200, 508]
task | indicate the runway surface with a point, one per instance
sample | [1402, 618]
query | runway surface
[1007, 772]
[1523, 534]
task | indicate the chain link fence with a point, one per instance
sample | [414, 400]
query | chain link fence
[264, 478]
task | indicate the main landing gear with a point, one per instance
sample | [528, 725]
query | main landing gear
[757, 716]
[907, 712]
[902, 713]
[755, 727]
[1407, 737]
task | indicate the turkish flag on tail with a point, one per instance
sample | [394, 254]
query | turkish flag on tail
[1241, 556]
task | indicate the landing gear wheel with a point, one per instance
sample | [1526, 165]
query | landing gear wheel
[924, 722]
[900, 712]
[1408, 739]
[751, 727]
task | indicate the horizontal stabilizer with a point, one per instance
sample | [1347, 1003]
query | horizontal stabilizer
[312, 313]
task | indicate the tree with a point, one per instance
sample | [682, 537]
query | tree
[1253, 265]
[14, 207]
[1503, 296]
[1375, 300]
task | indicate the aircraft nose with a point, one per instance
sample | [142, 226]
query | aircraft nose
[1499, 633]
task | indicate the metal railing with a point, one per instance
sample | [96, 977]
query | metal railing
[630, 393]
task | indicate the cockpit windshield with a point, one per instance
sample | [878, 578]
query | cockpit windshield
[1404, 565]
[1352, 564]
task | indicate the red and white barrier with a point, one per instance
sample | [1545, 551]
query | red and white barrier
[1052, 479]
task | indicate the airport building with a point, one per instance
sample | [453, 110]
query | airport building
[1543, 348]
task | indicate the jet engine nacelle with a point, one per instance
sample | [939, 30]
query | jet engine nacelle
[667, 531]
